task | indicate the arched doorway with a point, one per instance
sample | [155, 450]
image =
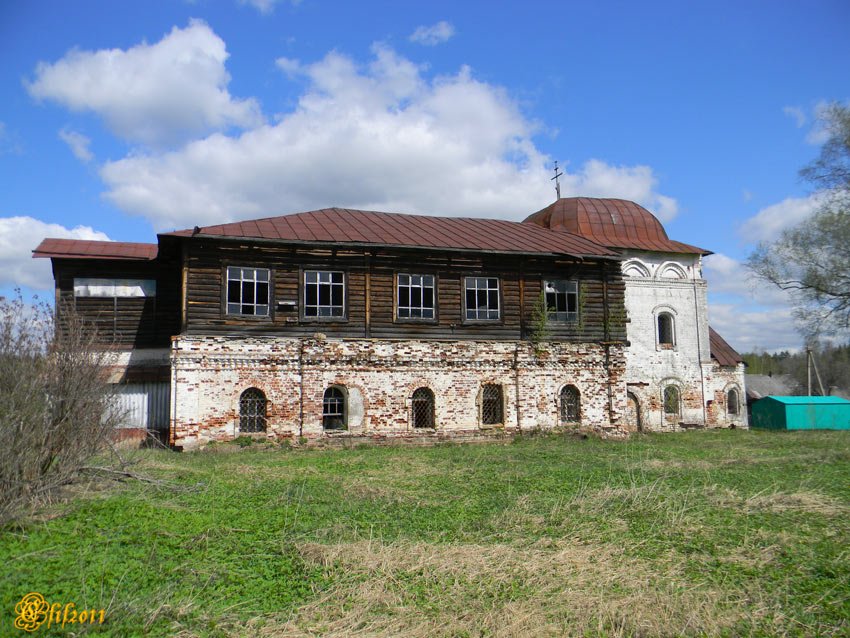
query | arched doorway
[633, 422]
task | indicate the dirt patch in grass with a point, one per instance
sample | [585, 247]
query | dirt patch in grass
[546, 589]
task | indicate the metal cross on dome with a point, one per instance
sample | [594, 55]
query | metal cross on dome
[557, 182]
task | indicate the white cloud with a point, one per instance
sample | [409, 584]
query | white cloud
[819, 133]
[433, 35]
[18, 238]
[156, 94]
[381, 136]
[768, 223]
[266, 7]
[795, 113]
[748, 312]
[750, 328]
[78, 143]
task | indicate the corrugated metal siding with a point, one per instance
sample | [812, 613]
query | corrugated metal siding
[144, 405]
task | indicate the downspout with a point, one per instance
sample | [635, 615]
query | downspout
[699, 345]
[607, 343]
[518, 343]
[301, 389]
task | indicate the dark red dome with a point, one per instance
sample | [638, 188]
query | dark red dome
[616, 223]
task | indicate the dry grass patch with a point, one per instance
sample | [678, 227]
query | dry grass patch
[799, 501]
[547, 589]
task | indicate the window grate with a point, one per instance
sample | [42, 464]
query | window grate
[423, 408]
[570, 405]
[732, 402]
[252, 411]
[491, 405]
[333, 409]
[671, 400]
[665, 329]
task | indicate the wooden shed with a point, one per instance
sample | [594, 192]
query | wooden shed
[801, 413]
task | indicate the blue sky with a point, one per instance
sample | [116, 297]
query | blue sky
[119, 120]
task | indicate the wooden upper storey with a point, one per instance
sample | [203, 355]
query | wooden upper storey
[371, 275]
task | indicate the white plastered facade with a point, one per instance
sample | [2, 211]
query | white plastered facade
[672, 284]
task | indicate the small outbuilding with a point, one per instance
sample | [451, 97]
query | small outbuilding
[801, 413]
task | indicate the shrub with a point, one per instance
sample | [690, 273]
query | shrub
[55, 412]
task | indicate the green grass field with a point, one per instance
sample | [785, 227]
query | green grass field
[704, 533]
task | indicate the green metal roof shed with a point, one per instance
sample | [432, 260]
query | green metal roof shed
[801, 413]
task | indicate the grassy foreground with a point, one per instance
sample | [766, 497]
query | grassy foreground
[705, 533]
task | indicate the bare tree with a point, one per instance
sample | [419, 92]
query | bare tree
[812, 260]
[55, 404]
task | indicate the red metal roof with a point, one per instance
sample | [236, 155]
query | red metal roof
[616, 223]
[721, 351]
[342, 225]
[85, 249]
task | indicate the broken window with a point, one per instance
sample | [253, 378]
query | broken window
[415, 296]
[561, 300]
[732, 407]
[252, 411]
[333, 409]
[324, 293]
[482, 298]
[671, 400]
[423, 408]
[666, 336]
[247, 291]
[570, 404]
[491, 405]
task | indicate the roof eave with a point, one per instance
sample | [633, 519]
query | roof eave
[367, 245]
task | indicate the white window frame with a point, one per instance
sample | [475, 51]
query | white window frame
[333, 280]
[482, 284]
[569, 289]
[248, 275]
[414, 282]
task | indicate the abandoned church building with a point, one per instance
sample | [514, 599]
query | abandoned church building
[343, 322]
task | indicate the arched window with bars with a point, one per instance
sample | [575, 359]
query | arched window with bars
[570, 404]
[422, 408]
[666, 330]
[672, 404]
[492, 407]
[733, 406]
[334, 412]
[252, 411]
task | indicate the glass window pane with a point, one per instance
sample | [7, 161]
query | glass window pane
[428, 280]
[337, 277]
[403, 313]
[247, 292]
[428, 313]
[262, 310]
[233, 308]
[416, 297]
[247, 310]
[336, 297]
[428, 297]
[324, 295]
[403, 280]
[572, 302]
[233, 288]
[262, 293]
[404, 296]
[311, 296]
[311, 276]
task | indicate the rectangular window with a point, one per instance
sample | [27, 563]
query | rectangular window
[247, 291]
[482, 298]
[561, 300]
[324, 293]
[415, 297]
[124, 288]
